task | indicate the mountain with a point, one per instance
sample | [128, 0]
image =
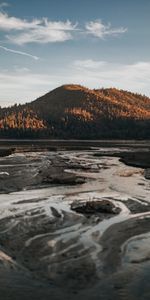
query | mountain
[73, 111]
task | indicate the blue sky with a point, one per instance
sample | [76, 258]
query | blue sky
[96, 43]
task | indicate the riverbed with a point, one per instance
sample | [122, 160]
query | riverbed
[49, 251]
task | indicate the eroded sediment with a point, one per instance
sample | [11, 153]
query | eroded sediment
[45, 240]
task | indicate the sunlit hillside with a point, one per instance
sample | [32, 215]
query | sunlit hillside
[73, 111]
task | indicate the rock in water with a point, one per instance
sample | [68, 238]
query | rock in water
[94, 207]
[55, 212]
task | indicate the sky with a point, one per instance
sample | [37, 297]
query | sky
[95, 43]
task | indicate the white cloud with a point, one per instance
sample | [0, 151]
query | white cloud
[21, 70]
[88, 64]
[8, 23]
[22, 85]
[19, 52]
[46, 33]
[23, 31]
[35, 31]
[3, 5]
[134, 77]
[100, 30]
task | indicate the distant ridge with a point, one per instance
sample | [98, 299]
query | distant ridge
[74, 111]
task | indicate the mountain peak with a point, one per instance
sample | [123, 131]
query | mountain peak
[74, 111]
[74, 87]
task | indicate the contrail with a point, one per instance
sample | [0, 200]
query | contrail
[19, 52]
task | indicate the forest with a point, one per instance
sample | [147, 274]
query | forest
[74, 111]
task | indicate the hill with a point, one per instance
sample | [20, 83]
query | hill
[73, 111]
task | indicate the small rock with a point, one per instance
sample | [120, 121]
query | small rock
[55, 212]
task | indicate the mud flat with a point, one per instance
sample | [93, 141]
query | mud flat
[134, 157]
[74, 225]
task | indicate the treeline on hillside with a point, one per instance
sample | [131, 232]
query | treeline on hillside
[17, 117]
[75, 129]
[73, 111]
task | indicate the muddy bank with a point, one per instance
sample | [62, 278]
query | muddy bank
[62, 254]
[62, 241]
[139, 159]
[37, 145]
[133, 158]
[99, 208]
[29, 171]
[116, 236]
[6, 151]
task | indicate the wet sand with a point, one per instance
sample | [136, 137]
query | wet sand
[49, 251]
